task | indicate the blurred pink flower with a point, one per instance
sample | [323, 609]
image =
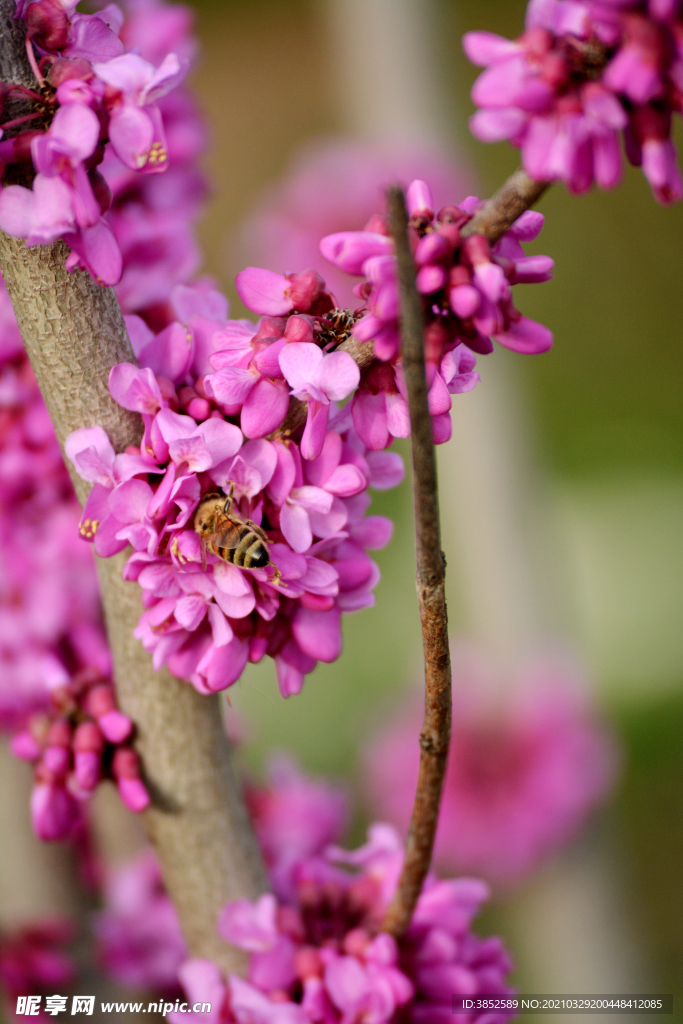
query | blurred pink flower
[319, 956]
[139, 939]
[294, 817]
[337, 185]
[523, 772]
[33, 960]
[582, 73]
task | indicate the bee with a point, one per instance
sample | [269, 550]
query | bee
[228, 536]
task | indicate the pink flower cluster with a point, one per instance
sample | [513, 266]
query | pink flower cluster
[583, 72]
[467, 301]
[139, 939]
[80, 741]
[50, 616]
[33, 960]
[54, 660]
[205, 616]
[138, 935]
[321, 958]
[96, 96]
[524, 770]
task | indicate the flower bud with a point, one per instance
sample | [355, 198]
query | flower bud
[48, 25]
[133, 794]
[419, 200]
[88, 737]
[24, 746]
[305, 288]
[300, 328]
[53, 811]
[430, 278]
[432, 248]
[116, 726]
[87, 769]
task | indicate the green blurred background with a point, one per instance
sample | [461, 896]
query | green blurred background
[607, 421]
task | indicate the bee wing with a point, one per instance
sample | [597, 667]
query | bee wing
[229, 536]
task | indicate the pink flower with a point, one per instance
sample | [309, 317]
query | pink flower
[138, 934]
[467, 300]
[62, 201]
[105, 104]
[581, 73]
[521, 778]
[295, 817]
[318, 956]
[262, 291]
[317, 379]
[135, 126]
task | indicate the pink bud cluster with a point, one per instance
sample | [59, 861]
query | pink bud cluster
[582, 73]
[93, 96]
[320, 956]
[33, 960]
[80, 741]
[197, 380]
[465, 284]
[525, 768]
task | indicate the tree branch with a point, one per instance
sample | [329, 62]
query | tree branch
[497, 216]
[431, 594]
[74, 333]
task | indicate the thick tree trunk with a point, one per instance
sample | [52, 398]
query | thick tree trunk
[74, 333]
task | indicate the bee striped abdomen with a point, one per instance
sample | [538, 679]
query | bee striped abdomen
[250, 553]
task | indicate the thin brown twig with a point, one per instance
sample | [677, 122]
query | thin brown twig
[431, 594]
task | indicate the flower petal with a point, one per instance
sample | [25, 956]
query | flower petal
[263, 291]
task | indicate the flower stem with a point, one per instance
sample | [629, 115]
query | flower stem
[19, 120]
[431, 593]
[32, 61]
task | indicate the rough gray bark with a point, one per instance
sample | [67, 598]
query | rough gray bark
[14, 65]
[74, 333]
